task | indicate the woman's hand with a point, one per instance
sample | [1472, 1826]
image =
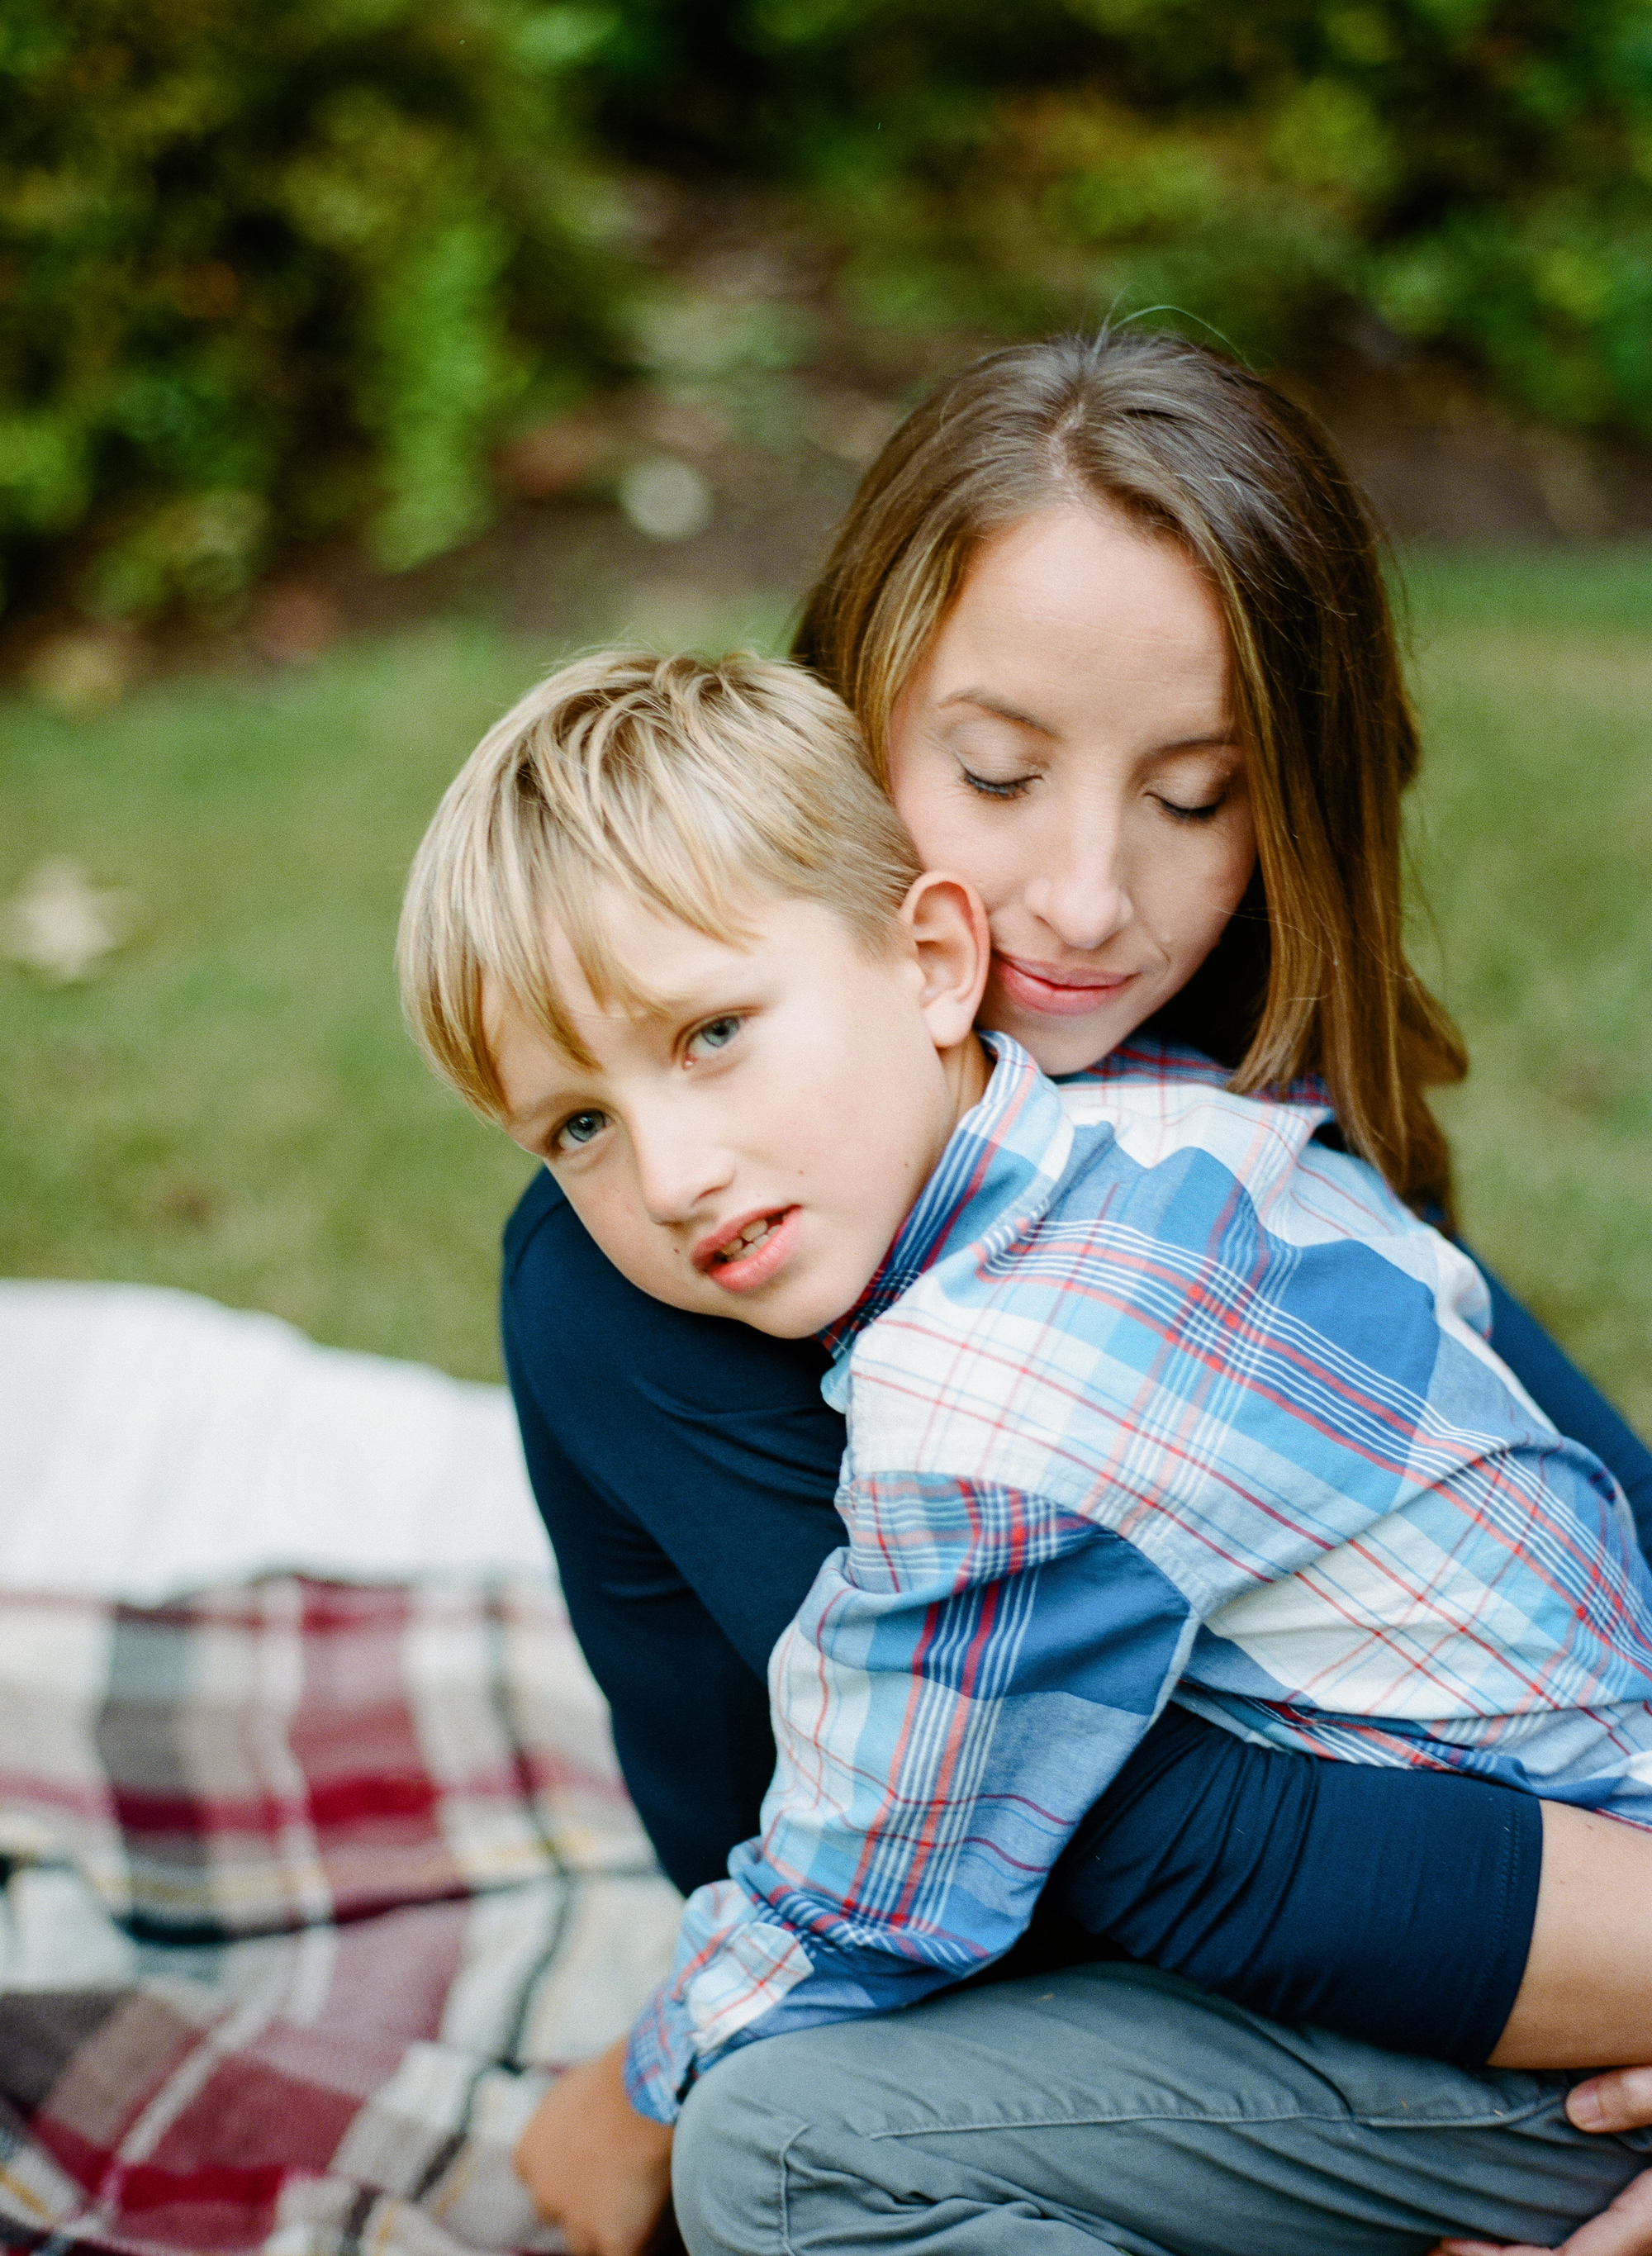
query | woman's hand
[594, 2165]
[1622, 2100]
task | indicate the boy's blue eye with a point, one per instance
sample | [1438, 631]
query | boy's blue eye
[717, 1034]
[582, 1128]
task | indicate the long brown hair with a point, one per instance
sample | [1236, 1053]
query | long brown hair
[1311, 975]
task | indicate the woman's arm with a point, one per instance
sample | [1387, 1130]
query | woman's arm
[1394, 1905]
[1586, 2000]
[690, 1720]
[685, 1470]
[1425, 1911]
[1622, 2100]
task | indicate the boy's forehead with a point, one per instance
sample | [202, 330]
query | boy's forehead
[636, 959]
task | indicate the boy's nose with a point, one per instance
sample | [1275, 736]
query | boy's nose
[677, 1174]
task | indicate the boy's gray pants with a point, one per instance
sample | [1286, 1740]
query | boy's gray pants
[1114, 2108]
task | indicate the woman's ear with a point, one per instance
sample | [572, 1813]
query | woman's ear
[948, 928]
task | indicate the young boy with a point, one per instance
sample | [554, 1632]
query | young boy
[1150, 1394]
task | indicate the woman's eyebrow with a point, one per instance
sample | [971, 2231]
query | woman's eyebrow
[997, 706]
[1208, 740]
[1221, 738]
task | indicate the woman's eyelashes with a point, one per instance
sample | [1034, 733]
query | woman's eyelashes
[1195, 794]
[1017, 787]
[1201, 812]
[997, 786]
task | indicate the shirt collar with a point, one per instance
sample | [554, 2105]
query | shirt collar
[998, 1172]
[1151, 1057]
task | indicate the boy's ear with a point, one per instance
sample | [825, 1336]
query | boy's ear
[948, 926]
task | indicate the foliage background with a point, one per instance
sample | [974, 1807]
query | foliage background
[272, 274]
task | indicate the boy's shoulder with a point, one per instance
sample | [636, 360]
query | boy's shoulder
[1258, 1187]
[1162, 1223]
[1147, 1078]
[1169, 1113]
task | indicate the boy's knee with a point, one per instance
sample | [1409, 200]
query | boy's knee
[781, 2147]
[728, 2159]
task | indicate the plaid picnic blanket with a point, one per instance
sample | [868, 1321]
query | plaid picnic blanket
[309, 1888]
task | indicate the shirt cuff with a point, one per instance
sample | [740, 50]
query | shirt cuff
[658, 2070]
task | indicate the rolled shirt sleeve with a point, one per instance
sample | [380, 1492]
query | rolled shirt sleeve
[960, 1685]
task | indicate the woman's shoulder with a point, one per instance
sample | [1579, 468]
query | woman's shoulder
[538, 1211]
[559, 1296]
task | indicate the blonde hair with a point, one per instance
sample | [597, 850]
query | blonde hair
[694, 788]
[1311, 975]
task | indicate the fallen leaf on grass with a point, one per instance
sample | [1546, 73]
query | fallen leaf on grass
[58, 924]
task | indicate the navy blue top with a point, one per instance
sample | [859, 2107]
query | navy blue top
[686, 1467]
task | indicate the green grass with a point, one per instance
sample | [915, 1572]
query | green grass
[1534, 842]
[232, 1105]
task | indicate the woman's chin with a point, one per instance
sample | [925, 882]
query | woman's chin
[1066, 1044]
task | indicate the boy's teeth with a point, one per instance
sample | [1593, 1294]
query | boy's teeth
[747, 1238]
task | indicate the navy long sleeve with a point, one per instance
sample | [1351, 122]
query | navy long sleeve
[1576, 1408]
[686, 1469]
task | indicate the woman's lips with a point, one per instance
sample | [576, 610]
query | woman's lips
[1040, 987]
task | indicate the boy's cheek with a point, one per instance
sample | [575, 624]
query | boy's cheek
[612, 1221]
[640, 1251]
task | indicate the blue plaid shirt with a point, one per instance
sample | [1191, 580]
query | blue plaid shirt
[1154, 1396]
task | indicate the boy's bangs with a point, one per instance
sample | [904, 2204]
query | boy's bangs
[575, 898]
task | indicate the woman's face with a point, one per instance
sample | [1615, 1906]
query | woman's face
[1068, 746]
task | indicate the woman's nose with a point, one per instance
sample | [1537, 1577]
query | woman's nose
[1081, 889]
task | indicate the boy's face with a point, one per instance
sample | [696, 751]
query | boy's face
[749, 1143]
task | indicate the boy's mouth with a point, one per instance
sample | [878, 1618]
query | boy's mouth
[747, 1253]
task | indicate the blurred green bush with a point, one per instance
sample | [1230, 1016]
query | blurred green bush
[280, 269]
[272, 272]
[1476, 174]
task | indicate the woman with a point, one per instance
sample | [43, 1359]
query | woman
[1113, 624]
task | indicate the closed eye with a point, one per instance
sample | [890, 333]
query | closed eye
[1203, 812]
[995, 786]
